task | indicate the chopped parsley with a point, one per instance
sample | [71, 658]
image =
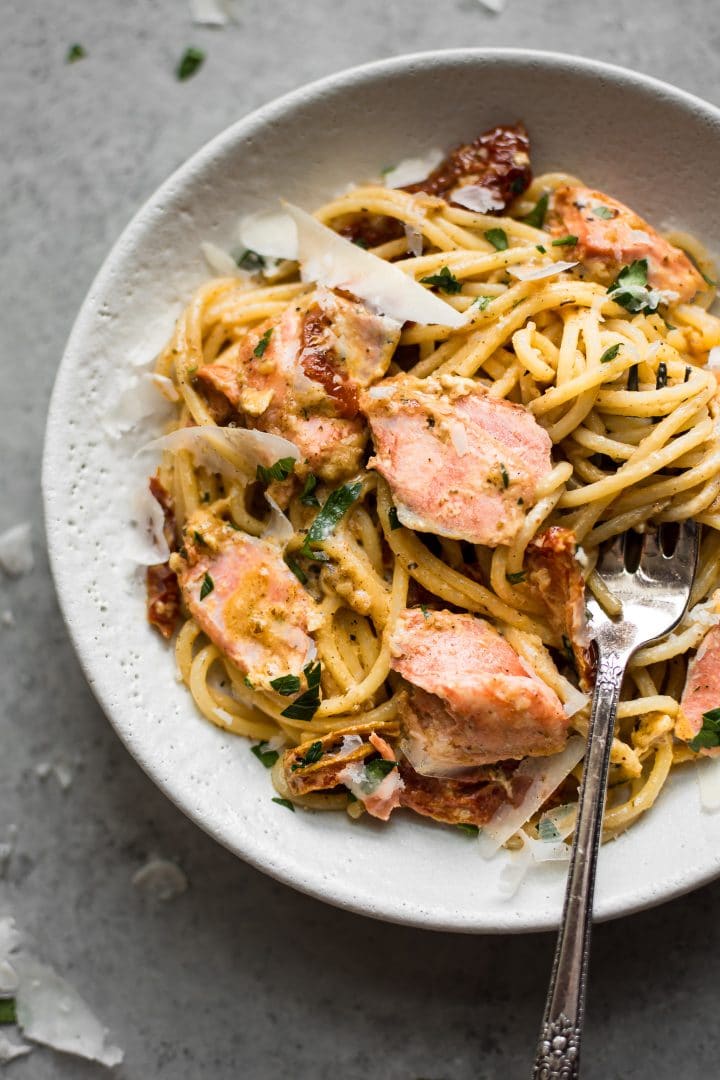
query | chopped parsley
[248, 683]
[565, 241]
[516, 578]
[610, 354]
[307, 495]
[360, 242]
[267, 757]
[189, 62]
[423, 608]
[483, 301]
[207, 586]
[286, 684]
[466, 827]
[333, 511]
[75, 52]
[296, 569]
[378, 769]
[541, 248]
[305, 706]
[498, 239]
[263, 343]
[632, 383]
[8, 1013]
[709, 733]
[198, 537]
[445, 280]
[630, 289]
[313, 755]
[505, 476]
[393, 519]
[604, 212]
[279, 470]
[536, 217]
[286, 803]
[251, 261]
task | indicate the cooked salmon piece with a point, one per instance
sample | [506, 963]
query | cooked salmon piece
[610, 236]
[472, 700]
[461, 802]
[324, 763]
[300, 377]
[702, 690]
[459, 463]
[554, 571]
[247, 600]
[161, 585]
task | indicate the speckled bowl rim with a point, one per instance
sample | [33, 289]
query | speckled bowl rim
[631, 896]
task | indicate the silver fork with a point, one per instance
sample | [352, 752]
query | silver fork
[653, 588]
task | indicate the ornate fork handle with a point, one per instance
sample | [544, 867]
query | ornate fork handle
[558, 1053]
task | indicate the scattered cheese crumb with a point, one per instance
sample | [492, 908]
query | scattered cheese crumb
[7, 618]
[16, 557]
[11, 1050]
[50, 1011]
[496, 6]
[160, 879]
[209, 12]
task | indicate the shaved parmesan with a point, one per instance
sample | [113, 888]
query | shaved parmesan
[350, 743]
[226, 450]
[167, 387]
[496, 6]
[16, 556]
[477, 198]
[573, 699]
[713, 361]
[149, 546]
[531, 853]
[535, 273]
[414, 241]
[138, 398]
[11, 1050]
[707, 771]
[278, 528]
[412, 170]
[220, 261]
[50, 1011]
[545, 775]
[209, 13]
[330, 260]
[270, 232]
[160, 879]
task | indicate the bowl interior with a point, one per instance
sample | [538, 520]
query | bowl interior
[648, 144]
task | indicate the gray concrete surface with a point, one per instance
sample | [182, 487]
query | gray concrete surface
[240, 977]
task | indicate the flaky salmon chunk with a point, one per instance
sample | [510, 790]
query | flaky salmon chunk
[702, 690]
[300, 377]
[460, 463]
[249, 603]
[554, 571]
[472, 700]
[610, 236]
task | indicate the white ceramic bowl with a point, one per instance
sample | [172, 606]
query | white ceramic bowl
[647, 143]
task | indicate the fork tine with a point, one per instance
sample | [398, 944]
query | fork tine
[677, 568]
[612, 557]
